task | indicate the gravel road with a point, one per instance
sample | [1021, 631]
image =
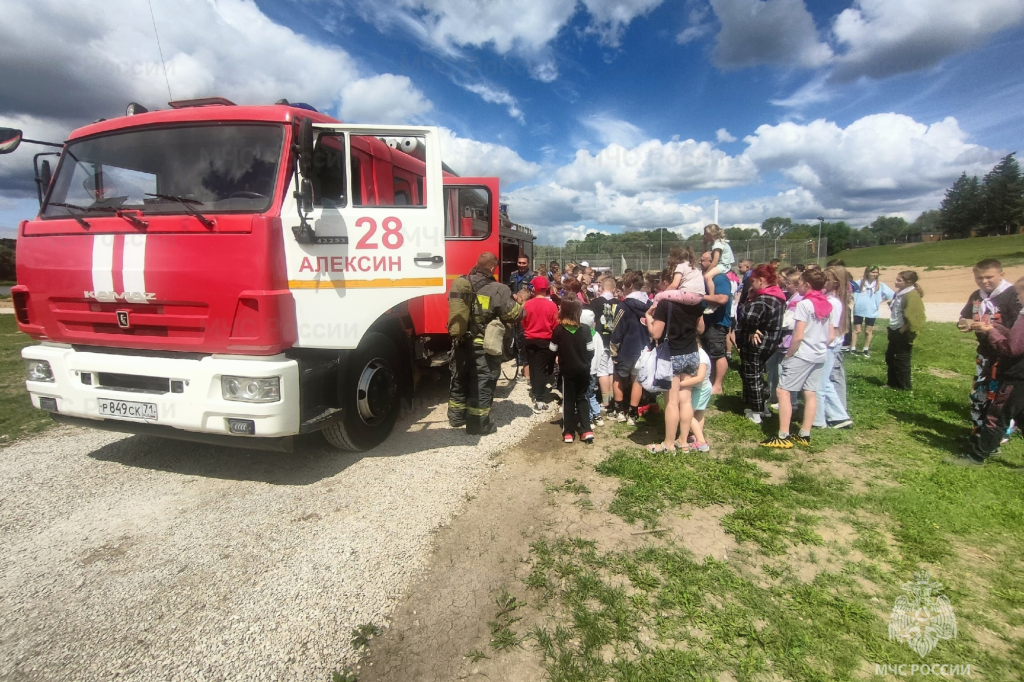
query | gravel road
[128, 557]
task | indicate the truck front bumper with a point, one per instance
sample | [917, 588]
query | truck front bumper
[192, 401]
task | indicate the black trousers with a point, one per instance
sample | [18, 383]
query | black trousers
[539, 357]
[1007, 404]
[575, 405]
[752, 372]
[474, 378]
[897, 358]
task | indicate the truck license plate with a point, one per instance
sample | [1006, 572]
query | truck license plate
[127, 410]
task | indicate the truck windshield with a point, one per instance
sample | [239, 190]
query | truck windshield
[212, 168]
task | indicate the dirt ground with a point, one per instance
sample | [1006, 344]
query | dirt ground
[442, 628]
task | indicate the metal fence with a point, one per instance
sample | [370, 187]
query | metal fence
[653, 258]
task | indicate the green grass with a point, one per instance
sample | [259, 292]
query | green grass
[7, 283]
[955, 252]
[660, 613]
[17, 416]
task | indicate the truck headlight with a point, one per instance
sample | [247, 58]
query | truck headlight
[248, 390]
[39, 370]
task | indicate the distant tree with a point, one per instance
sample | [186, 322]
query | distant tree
[961, 210]
[738, 234]
[926, 222]
[863, 237]
[775, 227]
[1003, 192]
[837, 236]
[7, 271]
[889, 229]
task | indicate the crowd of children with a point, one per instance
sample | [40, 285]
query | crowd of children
[792, 328]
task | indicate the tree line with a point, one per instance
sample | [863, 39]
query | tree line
[7, 273]
[993, 206]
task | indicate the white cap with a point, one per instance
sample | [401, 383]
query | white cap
[584, 264]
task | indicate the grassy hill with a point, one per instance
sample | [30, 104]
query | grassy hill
[1010, 250]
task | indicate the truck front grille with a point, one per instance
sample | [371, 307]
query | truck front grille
[132, 383]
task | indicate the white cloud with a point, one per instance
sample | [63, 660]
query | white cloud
[723, 135]
[496, 95]
[473, 159]
[780, 32]
[698, 25]
[386, 98]
[81, 60]
[611, 17]
[612, 130]
[885, 37]
[879, 162]
[656, 166]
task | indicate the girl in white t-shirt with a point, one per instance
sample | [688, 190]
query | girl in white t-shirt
[831, 408]
[722, 258]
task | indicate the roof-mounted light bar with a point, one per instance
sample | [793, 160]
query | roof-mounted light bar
[201, 102]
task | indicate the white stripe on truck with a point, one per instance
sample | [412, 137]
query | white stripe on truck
[103, 262]
[134, 263]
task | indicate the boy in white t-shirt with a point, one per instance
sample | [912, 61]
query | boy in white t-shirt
[801, 369]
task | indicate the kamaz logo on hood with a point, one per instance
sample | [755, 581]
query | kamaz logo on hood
[126, 296]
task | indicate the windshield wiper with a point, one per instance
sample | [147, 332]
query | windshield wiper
[84, 209]
[133, 219]
[188, 205]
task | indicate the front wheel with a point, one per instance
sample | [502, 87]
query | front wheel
[369, 396]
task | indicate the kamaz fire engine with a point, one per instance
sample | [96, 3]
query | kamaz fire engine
[243, 274]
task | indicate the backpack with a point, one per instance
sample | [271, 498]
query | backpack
[460, 307]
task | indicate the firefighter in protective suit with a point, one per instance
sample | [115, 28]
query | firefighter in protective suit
[476, 300]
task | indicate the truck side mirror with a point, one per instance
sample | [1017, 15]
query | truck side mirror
[10, 138]
[306, 147]
[305, 196]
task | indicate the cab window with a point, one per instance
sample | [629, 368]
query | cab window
[467, 213]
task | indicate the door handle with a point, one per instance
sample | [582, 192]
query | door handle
[426, 258]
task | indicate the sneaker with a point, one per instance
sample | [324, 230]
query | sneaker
[567, 438]
[776, 442]
[840, 424]
[865, 353]
[797, 439]
[774, 406]
[767, 414]
[630, 420]
[539, 406]
[587, 437]
[598, 421]
[703, 447]
[620, 417]
[752, 416]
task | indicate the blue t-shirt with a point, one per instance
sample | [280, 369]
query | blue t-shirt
[721, 314]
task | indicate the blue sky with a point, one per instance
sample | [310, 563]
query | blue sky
[596, 115]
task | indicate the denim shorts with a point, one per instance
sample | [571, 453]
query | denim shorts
[686, 364]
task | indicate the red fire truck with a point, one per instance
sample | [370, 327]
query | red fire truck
[243, 274]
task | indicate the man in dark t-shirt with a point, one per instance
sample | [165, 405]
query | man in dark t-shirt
[995, 301]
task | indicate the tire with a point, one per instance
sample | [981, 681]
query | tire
[369, 395]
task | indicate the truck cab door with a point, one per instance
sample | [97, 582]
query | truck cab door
[471, 224]
[371, 234]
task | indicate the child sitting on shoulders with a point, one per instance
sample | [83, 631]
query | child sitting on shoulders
[722, 258]
[687, 285]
